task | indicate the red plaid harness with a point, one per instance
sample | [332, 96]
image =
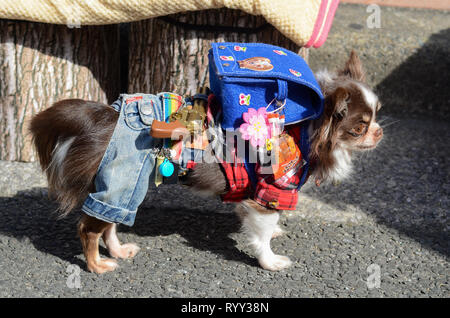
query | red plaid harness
[281, 194]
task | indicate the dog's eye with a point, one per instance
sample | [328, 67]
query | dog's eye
[359, 130]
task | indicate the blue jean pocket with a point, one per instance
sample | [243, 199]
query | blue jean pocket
[140, 114]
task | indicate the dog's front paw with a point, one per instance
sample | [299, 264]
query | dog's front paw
[274, 262]
[102, 265]
[128, 250]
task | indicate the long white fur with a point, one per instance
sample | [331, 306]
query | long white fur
[370, 98]
[59, 154]
[260, 228]
[343, 165]
[324, 76]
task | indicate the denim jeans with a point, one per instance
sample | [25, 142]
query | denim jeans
[123, 175]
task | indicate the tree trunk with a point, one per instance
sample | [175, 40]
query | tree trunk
[41, 64]
[166, 56]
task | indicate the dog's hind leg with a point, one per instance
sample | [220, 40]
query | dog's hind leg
[260, 224]
[90, 230]
[116, 249]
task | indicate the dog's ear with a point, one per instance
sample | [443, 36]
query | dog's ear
[339, 103]
[353, 68]
[336, 108]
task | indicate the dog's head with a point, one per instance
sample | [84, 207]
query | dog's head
[349, 120]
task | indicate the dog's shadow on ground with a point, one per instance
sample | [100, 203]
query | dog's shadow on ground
[30, 216]
[205, 224]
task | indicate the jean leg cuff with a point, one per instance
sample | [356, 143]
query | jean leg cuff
[107, 213]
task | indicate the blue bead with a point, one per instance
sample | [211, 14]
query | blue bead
[166, 168]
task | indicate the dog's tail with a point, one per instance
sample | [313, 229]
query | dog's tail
[70, 138]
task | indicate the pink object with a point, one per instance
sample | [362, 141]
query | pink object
[323, 23]
[255, 127]
[327, 26]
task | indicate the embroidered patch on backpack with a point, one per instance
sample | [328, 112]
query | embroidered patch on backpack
[240, 48]
[279, 52]
[244, 99]
[294, 72]
[226, 58]
[256, 63]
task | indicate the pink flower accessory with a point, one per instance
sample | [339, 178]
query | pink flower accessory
[255, 127]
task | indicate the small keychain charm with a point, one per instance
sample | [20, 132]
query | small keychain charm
[166, 168]
[281, 124]
[274, 120]
[158, 176]
[269, 145]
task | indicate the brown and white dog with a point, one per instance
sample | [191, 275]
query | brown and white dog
[72, 135]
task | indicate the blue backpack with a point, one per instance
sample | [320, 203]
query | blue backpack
[255, 75]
